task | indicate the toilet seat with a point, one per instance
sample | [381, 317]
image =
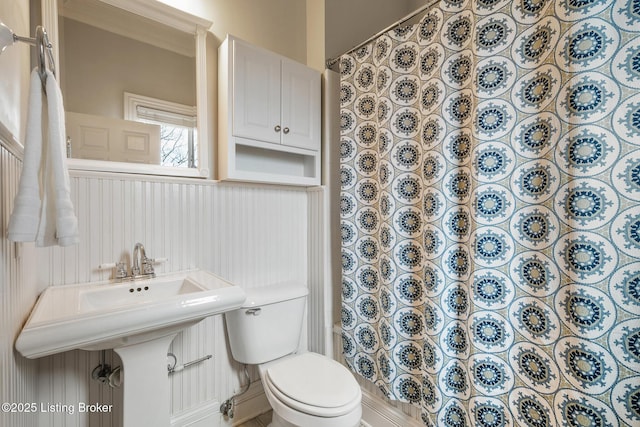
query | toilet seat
[313, 384]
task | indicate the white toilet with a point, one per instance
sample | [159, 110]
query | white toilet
[304, 389]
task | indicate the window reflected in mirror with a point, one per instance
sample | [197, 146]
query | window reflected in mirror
[178, 147]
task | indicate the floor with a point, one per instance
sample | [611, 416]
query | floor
[260, 421]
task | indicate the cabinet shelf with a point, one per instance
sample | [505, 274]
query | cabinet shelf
[263, 165]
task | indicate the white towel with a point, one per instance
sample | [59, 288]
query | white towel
[43, 211]
[24, 221]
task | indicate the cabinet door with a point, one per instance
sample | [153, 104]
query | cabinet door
[256, 93]
[300, 106]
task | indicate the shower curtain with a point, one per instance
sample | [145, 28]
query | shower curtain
[490, 213]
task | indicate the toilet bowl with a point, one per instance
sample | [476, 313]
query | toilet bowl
[304, 389]
[311, 390]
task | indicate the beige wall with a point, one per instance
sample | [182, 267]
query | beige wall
[14, 68]
[316, 34]
[349, 22]
[99, 66]
[304, 30]
[277, 25]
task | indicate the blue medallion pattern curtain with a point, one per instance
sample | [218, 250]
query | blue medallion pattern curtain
[490, 213]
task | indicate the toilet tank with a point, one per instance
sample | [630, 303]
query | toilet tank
[268, 325]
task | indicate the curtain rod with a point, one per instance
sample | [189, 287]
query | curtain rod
[331, 61]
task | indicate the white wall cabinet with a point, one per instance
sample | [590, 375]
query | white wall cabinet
[269, 117]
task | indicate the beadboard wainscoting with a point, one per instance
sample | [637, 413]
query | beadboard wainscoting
[250, 235]
[18, 375]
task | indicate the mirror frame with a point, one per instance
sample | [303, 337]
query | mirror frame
[180, 20]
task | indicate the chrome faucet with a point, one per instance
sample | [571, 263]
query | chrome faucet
[135, 267]
[142, 266]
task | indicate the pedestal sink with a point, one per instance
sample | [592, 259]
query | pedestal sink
[138, 320]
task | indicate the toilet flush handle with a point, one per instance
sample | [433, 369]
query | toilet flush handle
[255, 311]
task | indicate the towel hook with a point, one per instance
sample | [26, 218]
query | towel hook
[44, 48]
[41, 42]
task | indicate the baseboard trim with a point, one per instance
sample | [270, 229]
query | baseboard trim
[375, 410]
[250, 404]
[204, 415]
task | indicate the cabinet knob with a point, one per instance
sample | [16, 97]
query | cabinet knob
[277, 128]
[285, 130]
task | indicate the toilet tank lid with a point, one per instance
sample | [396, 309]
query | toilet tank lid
[271, 294]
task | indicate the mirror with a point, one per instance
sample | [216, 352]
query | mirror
[134, 86]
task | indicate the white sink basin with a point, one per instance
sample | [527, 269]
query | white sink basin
[106, 297]
[99, 316]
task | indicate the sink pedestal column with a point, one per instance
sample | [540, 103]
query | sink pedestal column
[146, 383]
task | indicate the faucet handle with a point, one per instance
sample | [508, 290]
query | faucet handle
[106, 265]
[121, 269]
[147, 267]
[147, 264]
